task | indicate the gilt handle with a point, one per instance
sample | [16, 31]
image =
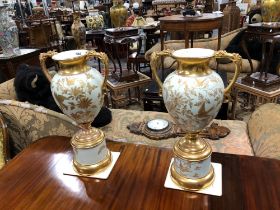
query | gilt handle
[104, 59]
[236, 59]
[155, 65]
[43, 57]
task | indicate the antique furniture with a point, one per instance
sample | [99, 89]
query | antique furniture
[210, 43]
[116, 38]
[188, 25]
[4, 142]
[257, 95]
[120, 92]
[8, 65]
[268, 35]
[231, 20]
[136, 182]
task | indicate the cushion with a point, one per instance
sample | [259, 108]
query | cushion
[264, 131]
[7, 90]
[237, 142]
[27, 123]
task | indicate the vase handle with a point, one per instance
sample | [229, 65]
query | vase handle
[155, 64]
[236, 59]
[104, 59]
[43, 57]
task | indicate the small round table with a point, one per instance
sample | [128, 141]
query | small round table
[188, 25]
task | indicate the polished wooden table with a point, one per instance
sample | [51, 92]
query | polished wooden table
[188, 25]
[34, 180]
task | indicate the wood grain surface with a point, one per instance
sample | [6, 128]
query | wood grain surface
[34, 180]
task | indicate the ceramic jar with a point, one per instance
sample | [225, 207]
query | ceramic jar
[193, 95]
[270, 10]
[94, 20]
[9, 41]
[118, 14]
[78, 30]
[78, 90]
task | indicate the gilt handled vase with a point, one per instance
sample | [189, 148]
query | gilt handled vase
[193, 95]
[79, 91]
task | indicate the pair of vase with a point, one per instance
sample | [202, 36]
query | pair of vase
[193, 94]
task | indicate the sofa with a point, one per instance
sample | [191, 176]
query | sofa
[210, 43]
[28, 123]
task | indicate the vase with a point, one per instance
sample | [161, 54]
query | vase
[193, 95]
[94, 20]
[118, 14]
[9, 41]
[78, 30]
[270, 10]
[78, 90]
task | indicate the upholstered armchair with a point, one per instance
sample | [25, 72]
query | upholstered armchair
[210, 43]
[27, 122]
[264, 131]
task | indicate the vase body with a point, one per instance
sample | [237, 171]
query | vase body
[78, 30]
[118, 14]
[9, 41]
[193, 95]
[94, 20]
[78, 90]
[270, 10]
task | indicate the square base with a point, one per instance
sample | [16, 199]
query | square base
[214, 189]
[69, 170]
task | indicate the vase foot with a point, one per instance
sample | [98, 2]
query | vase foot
[192, 184]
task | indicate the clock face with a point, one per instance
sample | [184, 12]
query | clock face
[157, 124]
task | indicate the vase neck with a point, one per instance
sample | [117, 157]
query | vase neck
[72, 67]
[193, 67]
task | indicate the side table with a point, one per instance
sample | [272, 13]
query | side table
[260, 95]
[119, 90]
[268, 34]
[113, 39]
[188, 25]
[8, 65]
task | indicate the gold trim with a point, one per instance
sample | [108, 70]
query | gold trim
[192, 184]
[188, 67]
[105, 60]
[154, 66]
[192, 148]
[88, 170]
[237, 60]
[42, 58]
[87, 138]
